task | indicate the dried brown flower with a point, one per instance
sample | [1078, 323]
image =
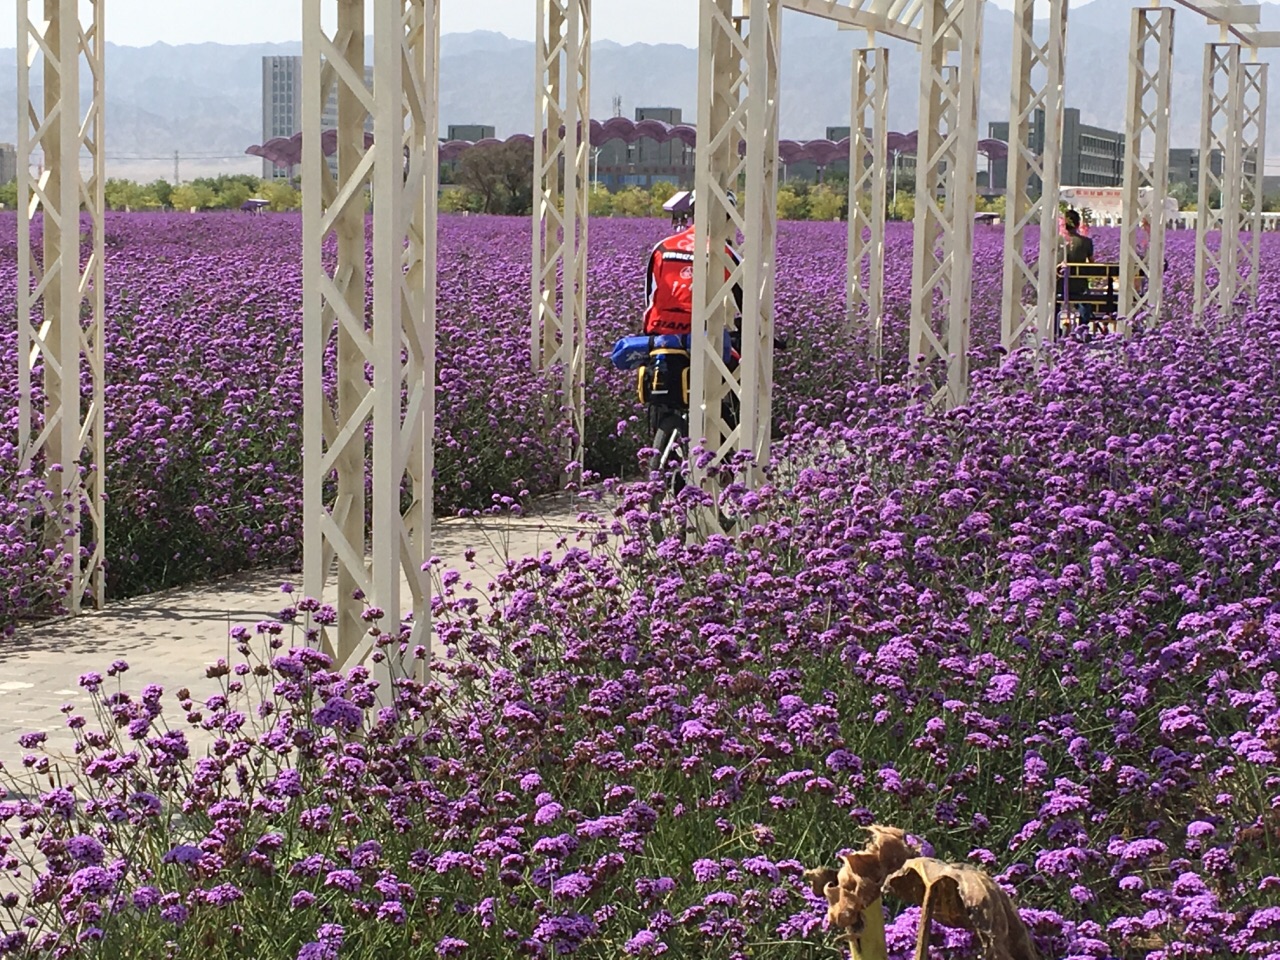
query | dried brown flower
[858, 883]
[959, 895]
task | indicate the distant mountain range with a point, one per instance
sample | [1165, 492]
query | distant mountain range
[204, 100]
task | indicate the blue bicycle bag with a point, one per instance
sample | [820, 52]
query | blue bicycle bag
[631, 353]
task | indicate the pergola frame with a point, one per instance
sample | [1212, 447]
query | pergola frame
[1146, 131]
[1217, 272]
[561, 183]
[390, 409]
[868, 182]
[737, 105]
[373, 440]
[1253, 143]
[65, 441]
[946, 189]
[1034, 177]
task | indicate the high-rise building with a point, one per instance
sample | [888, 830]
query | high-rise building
[1091, 156]
[1184, 165]
[470, 132]
[8, 162]
[329, 119]
[282, 108]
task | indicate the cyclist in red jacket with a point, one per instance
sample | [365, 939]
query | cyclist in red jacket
[669, 281]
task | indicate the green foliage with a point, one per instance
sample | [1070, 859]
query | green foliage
[827, 203]
[792, 205]
[127, 195]
[903, 206]
[162, 190]
[1185, 194]
[457, 200]
[193, 196]
[994, 205]
[633, 202]
[599, 203]
[9, 195]
[501, 176]
[225, 192]
[223, 183]
[280, 195]
[660, 193]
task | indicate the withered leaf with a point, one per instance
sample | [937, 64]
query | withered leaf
[965, 897]
[859, 881]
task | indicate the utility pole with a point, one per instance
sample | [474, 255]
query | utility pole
[176, 179]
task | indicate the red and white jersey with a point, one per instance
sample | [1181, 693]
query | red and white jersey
[669, 285]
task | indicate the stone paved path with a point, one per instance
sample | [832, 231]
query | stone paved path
[168, 638]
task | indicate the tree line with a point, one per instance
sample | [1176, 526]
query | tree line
[499, 180]
[225, 192]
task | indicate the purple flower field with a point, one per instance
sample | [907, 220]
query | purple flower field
[1041, 633]
[204, 385]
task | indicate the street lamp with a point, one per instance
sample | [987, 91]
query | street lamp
[897, 154]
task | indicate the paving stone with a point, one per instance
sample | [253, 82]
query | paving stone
[169, 638]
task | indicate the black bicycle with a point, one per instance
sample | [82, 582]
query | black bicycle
[668, 405]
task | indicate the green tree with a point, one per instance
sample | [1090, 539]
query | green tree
[193, 196]
[9, 195]
[458, 200]
[660, 193]
[501, 175]
[280, 195]
[160, 192]
[904, 206]
[184, 198]
[632, 202]
[233, 196]
[230, 181]
[826, 203]
[124, 195]
[1185, 194]
[599, 203]
[791, 206]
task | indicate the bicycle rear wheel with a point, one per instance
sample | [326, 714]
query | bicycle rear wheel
[670, 440]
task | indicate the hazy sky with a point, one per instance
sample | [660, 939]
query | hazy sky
[143, 22]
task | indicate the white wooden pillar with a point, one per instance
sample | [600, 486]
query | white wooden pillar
[868, 181]
[737, 105]
[377, 429]
[59, 299]
[946, 191]
[1034, 174]
[1253, 152]
[1217, 272]
[1146, 130]
[760, 230]
[562, 181]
